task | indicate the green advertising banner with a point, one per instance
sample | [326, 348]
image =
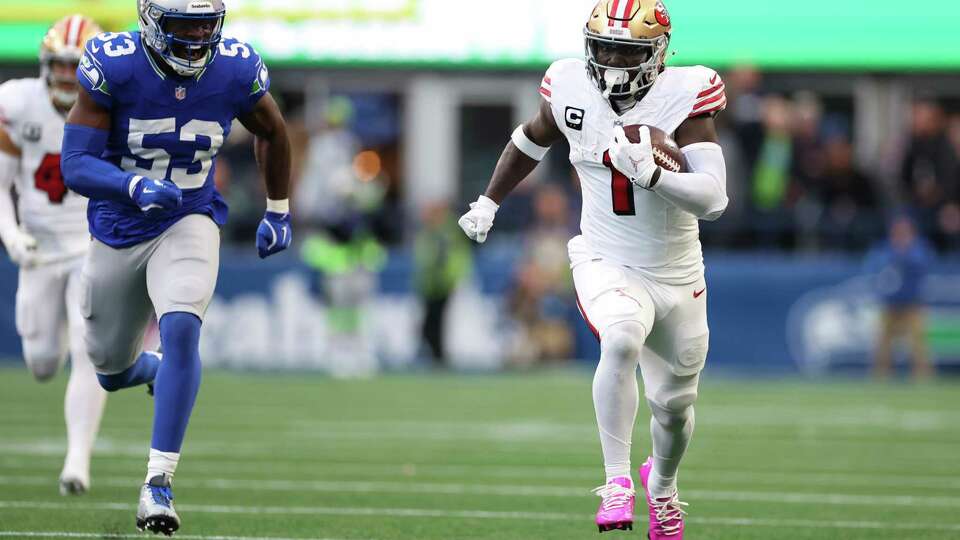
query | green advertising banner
[506, 34]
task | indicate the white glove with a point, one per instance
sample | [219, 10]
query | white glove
[634, 160]
[477, 222]
[21, 247]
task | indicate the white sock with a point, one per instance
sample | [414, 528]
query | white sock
[671, 435]
[162, 463]
[616, 395]
[82, 410]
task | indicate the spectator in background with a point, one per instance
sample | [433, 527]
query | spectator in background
[949, 218]
[901, 265]
[539, 302]
[347, 254]
[771, 172]
[929, 172]
[328, 174]
[442, 259]
[745, 112]
[848, 196]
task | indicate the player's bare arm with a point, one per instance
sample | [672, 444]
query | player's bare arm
[272, 149]
[527, 147]
[699, 129]
[515, 165]
[272, 146]
[86, 112]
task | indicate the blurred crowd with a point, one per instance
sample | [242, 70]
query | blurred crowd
[795, 178]
[797, 181]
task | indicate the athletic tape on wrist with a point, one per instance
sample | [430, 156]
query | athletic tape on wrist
[524, 144]
[280, 206]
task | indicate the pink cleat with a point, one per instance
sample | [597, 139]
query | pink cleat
[666, 514]
[616, 509]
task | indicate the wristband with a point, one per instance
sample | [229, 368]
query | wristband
[280, 206]
[524, 144]
[487, 203]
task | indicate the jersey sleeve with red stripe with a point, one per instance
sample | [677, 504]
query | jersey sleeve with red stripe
[556, 78]
[546, 87]
[711, 97]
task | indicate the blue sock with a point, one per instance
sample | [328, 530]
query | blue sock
[178, 380]
[143, 371]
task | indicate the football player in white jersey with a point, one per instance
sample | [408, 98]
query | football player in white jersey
[50, 238]
[637, 267]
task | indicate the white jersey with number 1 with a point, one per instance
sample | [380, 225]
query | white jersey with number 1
[622, 223]
[48, 211]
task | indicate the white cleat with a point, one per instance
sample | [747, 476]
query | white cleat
[156, 513]
[72, 483]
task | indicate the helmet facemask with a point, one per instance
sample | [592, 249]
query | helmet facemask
[60, 53]
[187, 42]
[60, 71]
[624, 69]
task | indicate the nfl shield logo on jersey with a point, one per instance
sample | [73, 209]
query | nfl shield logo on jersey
[181, 93]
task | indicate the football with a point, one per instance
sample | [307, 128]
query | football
[666, 153]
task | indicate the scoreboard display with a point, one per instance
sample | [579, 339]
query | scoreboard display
[529, 34]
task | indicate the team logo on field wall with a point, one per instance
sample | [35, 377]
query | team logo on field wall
[837, 326]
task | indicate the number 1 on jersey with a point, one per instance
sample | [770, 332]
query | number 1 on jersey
[622, 189]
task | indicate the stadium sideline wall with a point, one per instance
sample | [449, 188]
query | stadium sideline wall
[769, 314]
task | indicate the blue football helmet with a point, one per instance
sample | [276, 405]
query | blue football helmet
[185, 33]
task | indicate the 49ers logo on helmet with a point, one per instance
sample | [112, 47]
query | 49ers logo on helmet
[663, 17]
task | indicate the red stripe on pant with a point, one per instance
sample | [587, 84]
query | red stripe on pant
[583, 313]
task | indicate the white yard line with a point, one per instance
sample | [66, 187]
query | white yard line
[832, 479]
[110, 536]
[508, 490]
[477, 514]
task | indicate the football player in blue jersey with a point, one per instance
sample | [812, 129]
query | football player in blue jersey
[141, 144]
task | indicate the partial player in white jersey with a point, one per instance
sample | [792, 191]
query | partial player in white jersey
[637, 267]
[50, 238]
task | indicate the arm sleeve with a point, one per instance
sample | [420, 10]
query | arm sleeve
[85, 172]
[703, 191]
[8, 218]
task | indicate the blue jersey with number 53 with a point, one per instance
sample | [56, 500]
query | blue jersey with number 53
[165, 126]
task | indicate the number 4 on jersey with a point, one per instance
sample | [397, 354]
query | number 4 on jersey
[49, 179]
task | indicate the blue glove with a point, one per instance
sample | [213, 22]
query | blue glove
[274, 234]
[155, 197]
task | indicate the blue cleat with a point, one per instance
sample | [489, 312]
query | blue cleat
[156, 513]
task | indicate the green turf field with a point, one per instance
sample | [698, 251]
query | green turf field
[511, 456]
